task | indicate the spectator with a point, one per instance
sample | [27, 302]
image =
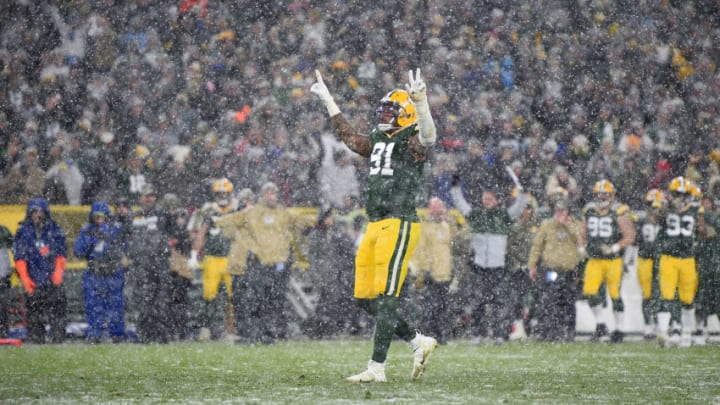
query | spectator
[474, 171]
[26, 179]
[39, 250]
[101, 242]
[65, 177]
[339, 180]
[132, 178]
[562, 178]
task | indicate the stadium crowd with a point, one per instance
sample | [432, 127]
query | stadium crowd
[104, 100]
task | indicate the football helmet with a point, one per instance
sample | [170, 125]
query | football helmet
[679, 189]
[605, 192]
[695, 191]
[654, 198]
[395, 104]
[679, 185]
[221, 189]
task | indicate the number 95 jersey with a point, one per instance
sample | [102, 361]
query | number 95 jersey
[394, 176]
[602, 227]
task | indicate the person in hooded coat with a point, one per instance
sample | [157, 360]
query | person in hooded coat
[101, 243]
[39, 250]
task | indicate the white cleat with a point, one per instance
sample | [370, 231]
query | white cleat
[518, 331]
[662, 339]
[204, 335]
[374, 373]
[422, 347]
[685, 340]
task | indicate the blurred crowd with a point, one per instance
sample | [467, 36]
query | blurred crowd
[99, 98]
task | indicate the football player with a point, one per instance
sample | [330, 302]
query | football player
[680, 222]
[397, 149]
[208, 237]
[646, 265]
[606, 230]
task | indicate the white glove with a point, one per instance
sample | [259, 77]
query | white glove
[610, 250]
[416, 87]
[417, 90]
[192, 262]
[321, 90]
[582, 252]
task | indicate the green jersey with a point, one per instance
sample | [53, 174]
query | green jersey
[602, 227]
[677, 231]
[647, 238]
[394, 177]
[216, 243]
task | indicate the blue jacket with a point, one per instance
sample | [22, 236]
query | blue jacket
[40, 246]
[99, 243]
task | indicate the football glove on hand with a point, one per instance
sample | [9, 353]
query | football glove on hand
[610, 250]
[320, 89]
[416, 87]
[192, 262]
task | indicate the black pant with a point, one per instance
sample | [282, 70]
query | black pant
[488, 286]
[178, 319]
[434, 301]
[556, 306]
[151, 301]
[6, 295]
[241, 305]
[267, 286]
[47, 304]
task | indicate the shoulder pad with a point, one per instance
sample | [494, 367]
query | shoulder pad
[589, 207]
[621, 209]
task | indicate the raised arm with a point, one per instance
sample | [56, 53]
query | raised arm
[357, 142]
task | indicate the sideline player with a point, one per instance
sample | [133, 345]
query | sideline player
[606, 230]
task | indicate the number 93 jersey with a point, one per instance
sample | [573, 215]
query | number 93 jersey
[602, 227]
[394, 176]
[677, 231]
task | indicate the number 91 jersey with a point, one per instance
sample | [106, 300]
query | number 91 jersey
[394, 176]
[677, 232]
[602, 228]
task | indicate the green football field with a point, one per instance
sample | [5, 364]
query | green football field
[312, 372]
